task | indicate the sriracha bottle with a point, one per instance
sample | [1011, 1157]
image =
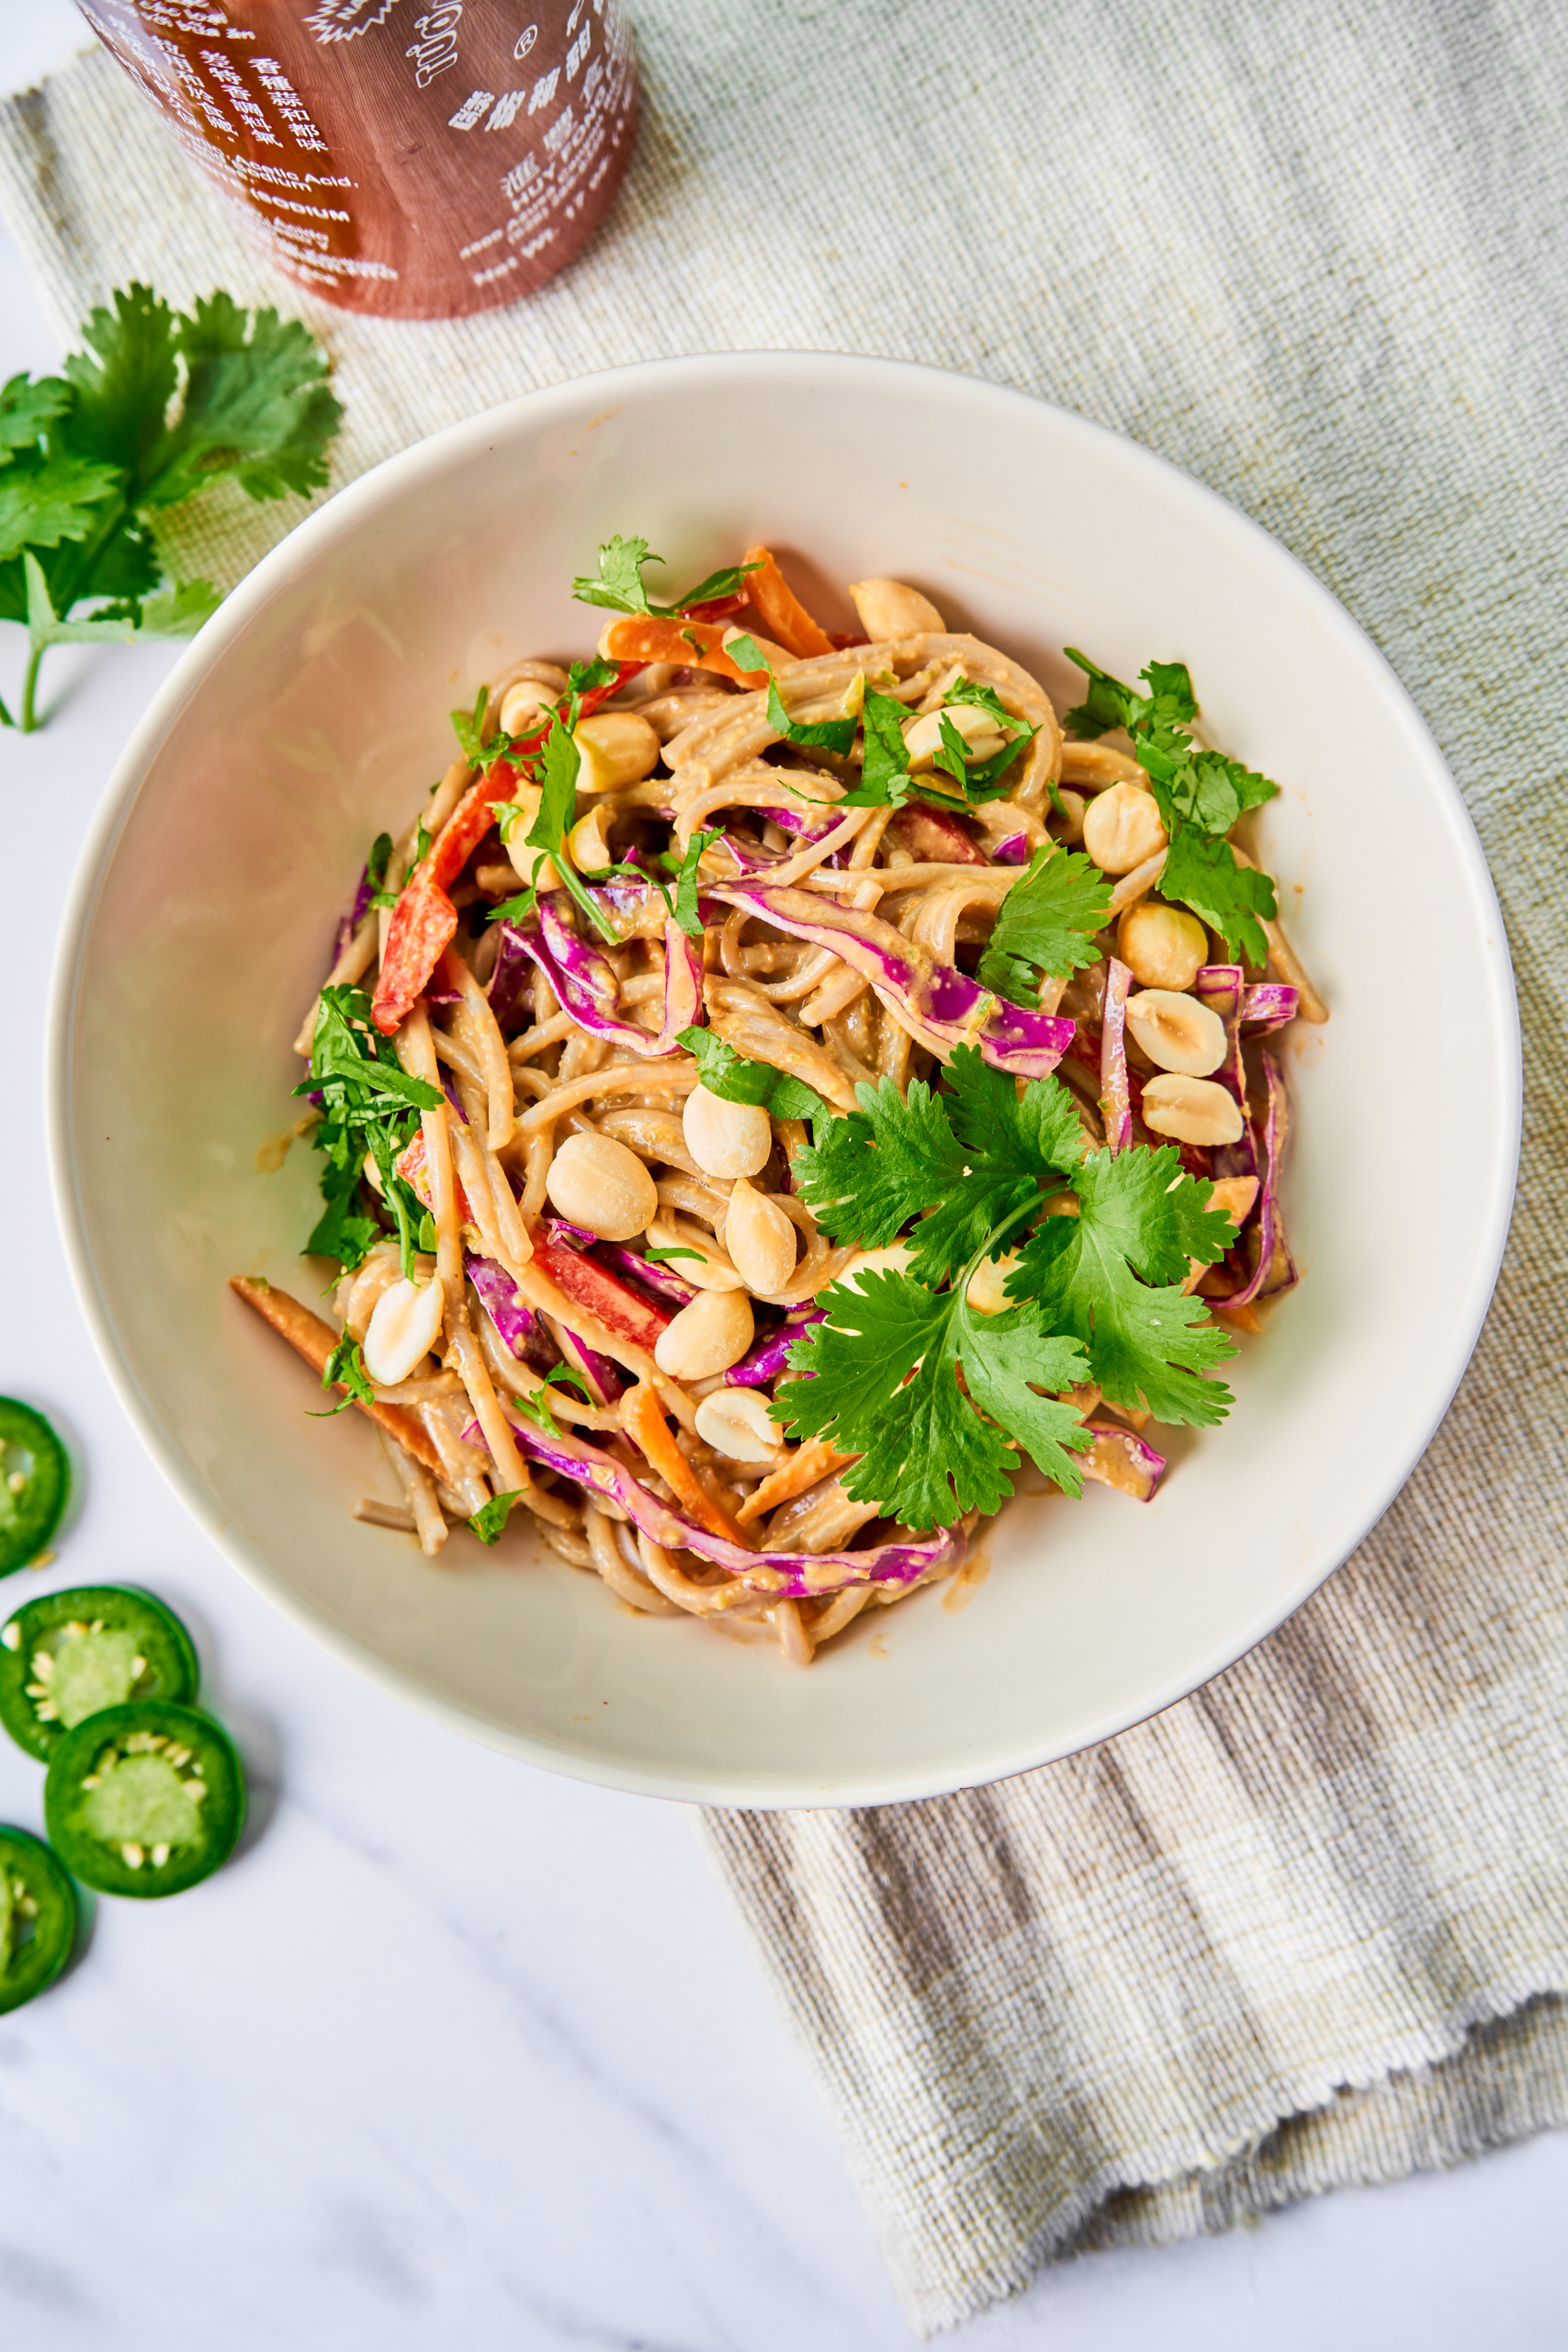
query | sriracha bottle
[410, 160]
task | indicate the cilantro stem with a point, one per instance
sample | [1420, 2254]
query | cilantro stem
[29, 722]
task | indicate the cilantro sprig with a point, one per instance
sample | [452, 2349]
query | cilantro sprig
[619, 586]
[555, 769]
[818, 735]
[345, 1368]
[159, 406]
[1200, 793]
[1045, 924]
[370, 1108]
[735, 1079]
[937, 1397]
[886, 780]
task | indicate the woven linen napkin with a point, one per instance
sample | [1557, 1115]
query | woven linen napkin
[1311, 1926]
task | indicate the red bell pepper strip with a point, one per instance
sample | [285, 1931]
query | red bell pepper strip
[424, 920]
[410, 1165]
[619, 1309]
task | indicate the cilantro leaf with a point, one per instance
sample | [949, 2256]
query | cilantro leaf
[1203, 874]
[874, 1168]
[820, 735]
[370, 1108]
[982, 779]
[1046, 924]
[885, 760]
[179, 610]
[619, 586]
[517, 909]
[1138, 1215]
[926, 1455]
[734, 1079]
[555, 768]
[535, 1406]
[344, 1368]
[1013, 1148]
[29, 409]
[1199, 796]
[489, 1522]
[158, 405]
[934, 1394]
[686, 907]
[44, 500]
[1005, 1358]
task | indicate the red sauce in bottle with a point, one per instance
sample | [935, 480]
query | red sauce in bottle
[410, 159]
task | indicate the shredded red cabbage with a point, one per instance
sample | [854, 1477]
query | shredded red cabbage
[517, 1326]
[941, 1005]
[589, 990]
[773, 1576]
[663, 1281]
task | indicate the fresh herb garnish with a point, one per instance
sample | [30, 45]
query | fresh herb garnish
[535, 1406]
[1046, 924]
[1104, 1242]
[734, 1079]
[554, 769]
[488, 1522]
[345, 1365]
[619, 583]
[684, 909]
[1199, 796]
[885, 780]
[160, 405]
[650, 1249]
[820, 735]
[370, 1107]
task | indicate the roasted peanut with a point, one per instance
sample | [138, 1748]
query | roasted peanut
[1161, 947]
[888, 608]
[758, 1240]
[923, 737]
[531, 864]
[1191, 1109]
[526, 697]
[736, 1421]
[726, 1138]
[1176, 1032]
[403, 1327]
[586, 843]
[596, 1181]
[708, 1336]
[615, 748]
[1121, 827]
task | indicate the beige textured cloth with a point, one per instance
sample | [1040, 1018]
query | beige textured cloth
[1309, 1927]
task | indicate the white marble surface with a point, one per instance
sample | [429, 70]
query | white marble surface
[454, 2051]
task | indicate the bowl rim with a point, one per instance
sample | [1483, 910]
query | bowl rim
[338, 516]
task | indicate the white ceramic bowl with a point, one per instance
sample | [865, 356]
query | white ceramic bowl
[312, 711]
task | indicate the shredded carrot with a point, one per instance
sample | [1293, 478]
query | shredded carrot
[815, 1459]
[315, 1340]
[698, 645]
[783, 613]
[642, 1418]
